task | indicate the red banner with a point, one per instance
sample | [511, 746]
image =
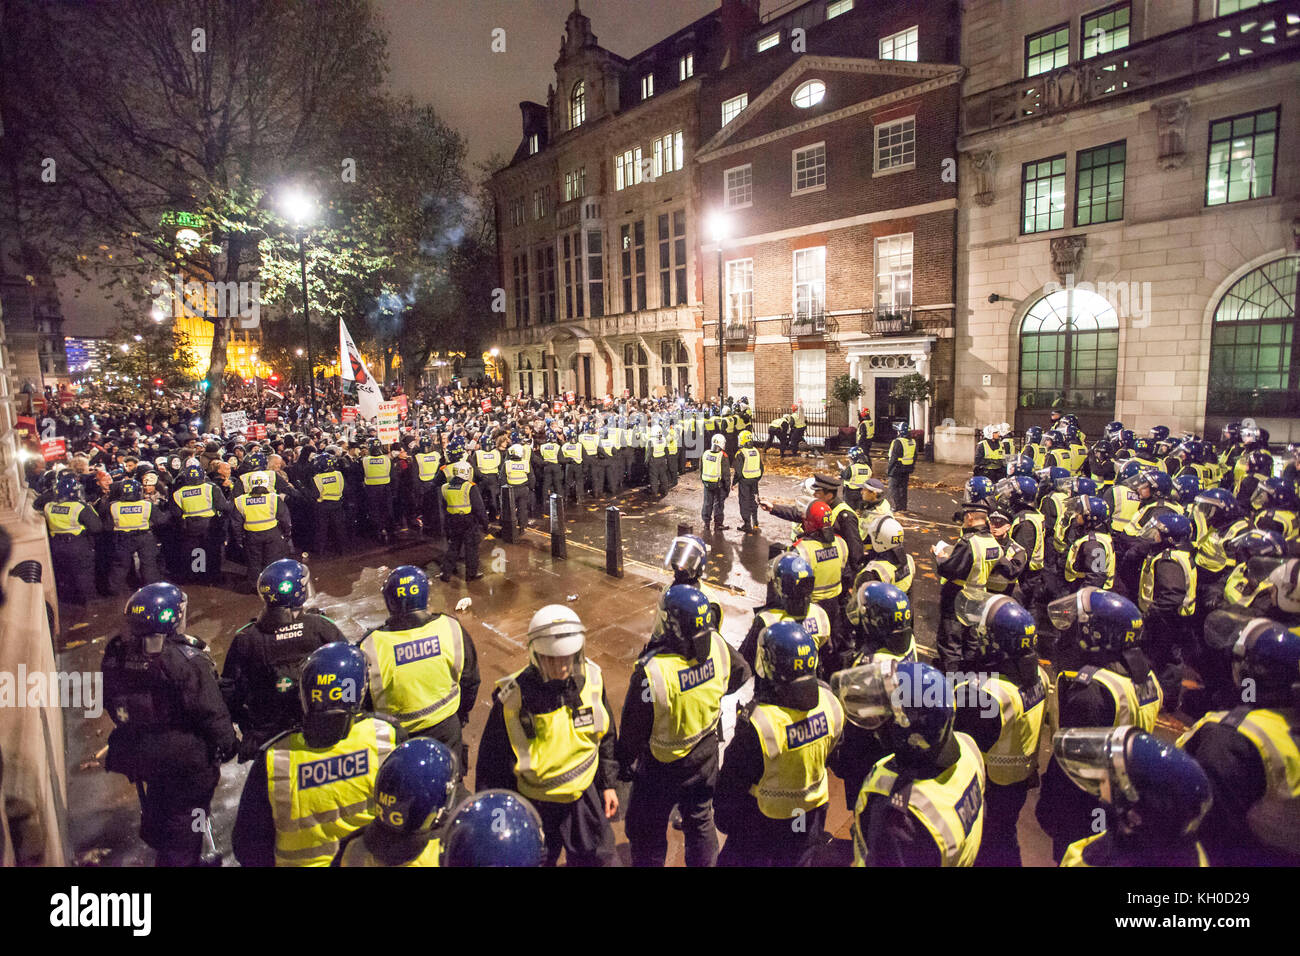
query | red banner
[401, 404]
[259, 431]
[568, 397]
[349, 413]
[486, 405]
[54, 449]
[272, 414]
[557, 408]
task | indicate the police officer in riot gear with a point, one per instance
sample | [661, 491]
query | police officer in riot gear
[1156, 797]
[686, 558]
[328, 484]
[964, 566]
[923, 805]
[422, 665]
[749, 469]
[172, 730]
[311, 788]
[195, 503]
[1167, 597]
[414, 792]
[715, 476]
[901, 464]
[494, 828]
[260, 677]
[428, 460]
[550, 736]
[70, 523]
[1250, 751]
[465, 520]
[791, 580]
[1112, 685]
[671, 727]
[132, 520]
[774, 786]
[262, 527]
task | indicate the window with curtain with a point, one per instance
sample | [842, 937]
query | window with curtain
[740, 375]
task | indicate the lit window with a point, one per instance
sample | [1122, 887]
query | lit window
[740, 290]
[1105, 31]
[896, 144]
[809, 94]
[731, 108]
[1099, 185]
[533, 144]
[575, 183]
[1236, 6]
[668, 154]
[1042, 194]
[894, 273]
[739, 187]
[809, 168]
[627, 168]
[1047, 51]
[836, 7]
[769, 41]
[810, 282]
[686, 67]
[578, 105]
[900, 46]
[810, 379]
[1243, 157]
[647, 86]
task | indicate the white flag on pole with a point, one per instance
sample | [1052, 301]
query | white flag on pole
[355, 372]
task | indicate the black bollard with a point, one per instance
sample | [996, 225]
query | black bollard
[613, 543]
[559, 547]
[773, 550]
[508, 514]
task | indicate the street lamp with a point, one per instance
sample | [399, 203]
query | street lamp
[298, 352]
[720, 226]
[301, 210]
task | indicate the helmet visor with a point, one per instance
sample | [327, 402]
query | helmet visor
[865, 694]
[1205, 506]
[1067, 611]
[970, 606]
[1150, 531]
[1093, 757]
[685, 555]
[1261, 497]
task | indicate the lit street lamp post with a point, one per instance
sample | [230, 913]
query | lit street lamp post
[720, 226]
[301, 208]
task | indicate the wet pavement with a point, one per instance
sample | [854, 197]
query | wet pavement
[518, 579]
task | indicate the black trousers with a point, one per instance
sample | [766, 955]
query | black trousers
[1000, 845]
[167, 817]
[523, 504]
[552, 482]
[379, 507]
[260, 549]
[658, 475]
[490, 489]
[580, 829]
[747, 492]
[192, 556]
[463, 538]
[714, 504]
[74, 567]
[127, 544]
[898, 489]
[658, 788]
[331, 534]
[766, 842]
[573, 478]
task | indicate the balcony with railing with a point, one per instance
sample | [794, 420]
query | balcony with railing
[813, 322]
[1192, 54]
[738, 331]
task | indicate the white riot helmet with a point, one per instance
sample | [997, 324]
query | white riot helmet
[885, 533]
[556, 631]
[719, 442]
[1285, 579]
[516, 452]
[462, 470]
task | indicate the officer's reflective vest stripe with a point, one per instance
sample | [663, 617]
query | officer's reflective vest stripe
[487, 462]
[1210, 553]
[517, 472]
[329, 486]
[356, 854]
[1127, 504]
[195, 501]
[798, 420]
[1107, 545]
[550, 452]
[1008, 448]
[1239, 590]
[1039, 454]
[658, 448]
[1014, 755]
[1039, 551]
[907, 451]
[446, 472]
[377, 469]
[1275, 818]
[949, 806]
[992, 452]
[869, 514]
[828, 562]
[457, 497]
[751, 463]
[672, 439]
[558, 762]
[130, 515]
[247, 479]
[840, 508]
[1276, 519]
[711, 469]
[1078, 455]
[816, 624]
[985, 552]
[318, 797]
[415, 674]
[1139, 707]
[589, 442]
[64, 517]
[687, 699]
[608, 445]
[870, 424]
[859, 472]
[1062, 521]
[572, 452]
[1147, 585]
[890, 573]
[796, 745]
[258, 511]
[1074, 852]
[427, 462]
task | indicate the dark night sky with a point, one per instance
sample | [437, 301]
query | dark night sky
[440, 53]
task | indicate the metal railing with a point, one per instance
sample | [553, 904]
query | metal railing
[738, 330]
[820, 430]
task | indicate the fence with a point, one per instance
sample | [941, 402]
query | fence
[818, 434]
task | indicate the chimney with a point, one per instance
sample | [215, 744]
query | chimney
[737, 19]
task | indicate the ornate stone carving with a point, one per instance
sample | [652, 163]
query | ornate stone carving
[1067, 255]
[1171, 133]
[984, 162]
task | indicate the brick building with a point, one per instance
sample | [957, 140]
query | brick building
[1130, 213]
[829, 162]
[597, 216]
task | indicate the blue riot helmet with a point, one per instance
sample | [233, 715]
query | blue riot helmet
[908, 704]
[1080, 488]
[130, 490]
[494, 828]
[256, 461]
[331, 688]
[191, 475]
[1159, 433]
[406, 589]
[978, 490]
[997, 623]
[1033, 434]
[1186, 488]
[1154, 788]
[1144, 448]
[1218, 506]
[285, 583]
[1158, 484]
[1267, 653]
[1255, 543]
[687, 554]
[1129, 472]
[1100, 621]
[1093, 511]
[786, 653]
[1022, 465]
[1018, 490]
[1275, 493]
[415, 786]
[792, 579]
[1112, 431]
[1053, 477]
[67, 487]
[155, 613]
[901, 429]
[325, 463]
[687, 616]
[857, 456]
[884, 610]
[1168, 530]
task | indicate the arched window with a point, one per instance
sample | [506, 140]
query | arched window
[1069, 354]
[1254, 369]
[578, 105]
[636, 370]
